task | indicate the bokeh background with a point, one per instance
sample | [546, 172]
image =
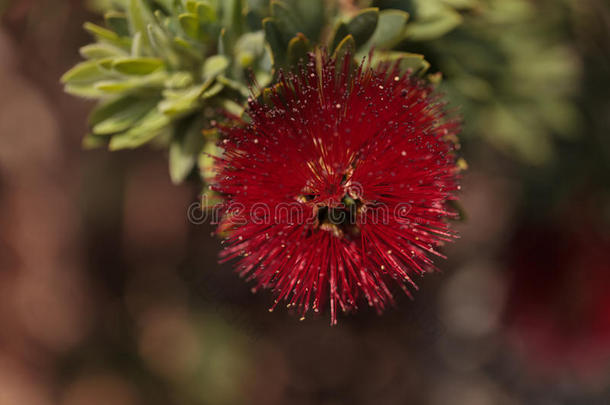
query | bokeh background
[110, 295]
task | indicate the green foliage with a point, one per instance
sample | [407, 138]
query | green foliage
[161, 69]
[380, 30]
[512, 76]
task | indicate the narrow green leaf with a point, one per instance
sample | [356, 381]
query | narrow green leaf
[143, 84]
[110, 108]
[184, 150]
[233, 16]
[101, 50]
[86, 72]
[286, 20]
[122, 120]
[181, 102]
[214, 65]
[117, 22]
[232, 107]
[298, 47]
[273, 37]
[137, 49]
[190, 25]
[345, 47]
[212, 91]
[101, 33]
[137, 66]
[408, 61]
[339, 33]
[206, 161]
[234, 84]
[83, 90]
[149, 127]
[139, 16]
[434, 26]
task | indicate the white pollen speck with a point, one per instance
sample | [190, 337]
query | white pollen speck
[255, 140]
[338, 105]
[396, 78]
[381, 87]
[404, 153]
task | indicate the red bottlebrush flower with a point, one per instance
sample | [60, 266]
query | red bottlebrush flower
[558, 311]
[338, 185]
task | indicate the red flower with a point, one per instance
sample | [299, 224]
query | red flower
[338, 185]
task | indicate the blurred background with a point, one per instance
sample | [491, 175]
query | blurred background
[109, 295]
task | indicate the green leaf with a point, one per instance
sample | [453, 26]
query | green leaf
[110, 108]
[274, 39]
[83, 90]
[91, 141]
[249, 47]
[206, 160]
[139, 16]
[310, 15]
[137, 66]
[212, 91]
[167, 5]
[162, 46]
[223, 42]
[390, 30]
[206, 13]
[233, 108]
[101, 50]
[190, 25]
[345, 47]
[149, 127]
[182, 102]
[184, 151]
[339, 34]
[117, 22]
[408, 61]
[234, 84]
[286, 20]
[434, 26]
[298, 47]
[233, 16]
[144, 84]
[137, 49]
[363, 25]
[101, 33]
[86, 72]
[254, 20]
[185, 48]
[179, 80]
[214, 65]
[191, 6]
[123, 119]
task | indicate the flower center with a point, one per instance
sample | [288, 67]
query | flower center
[341, 219]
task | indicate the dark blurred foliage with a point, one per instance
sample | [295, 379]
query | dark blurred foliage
[558, 308]
[110, 296]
